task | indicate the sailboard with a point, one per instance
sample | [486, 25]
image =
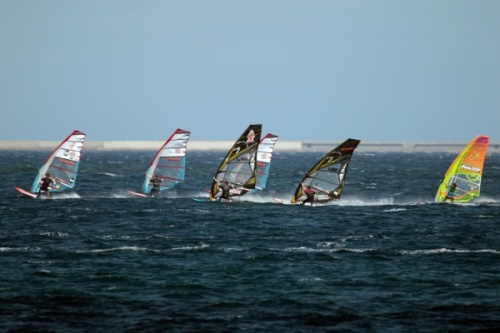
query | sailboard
[27, 193]
[62, 165]
[238, 168]
[137, 194]
[466, 171]
[169, 164]
[327, 176]
[264, 156]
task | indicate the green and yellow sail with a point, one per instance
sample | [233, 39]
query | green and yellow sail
[466, 171]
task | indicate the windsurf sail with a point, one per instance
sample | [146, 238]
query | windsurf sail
[62, 164]
[264, 155]
[327, 176]
[238, 168]
[169, 163]
[466, 171]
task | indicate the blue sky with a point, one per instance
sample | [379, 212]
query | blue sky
[307, 70]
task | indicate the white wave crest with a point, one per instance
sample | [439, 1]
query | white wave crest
[445, 250]
[190, 248]
[122, 248]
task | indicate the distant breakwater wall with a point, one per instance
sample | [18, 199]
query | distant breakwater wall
[293, 146]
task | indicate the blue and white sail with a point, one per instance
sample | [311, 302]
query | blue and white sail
[62, 164]
[264, 156]
[169, 163]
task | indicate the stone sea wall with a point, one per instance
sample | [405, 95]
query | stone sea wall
[298, 146]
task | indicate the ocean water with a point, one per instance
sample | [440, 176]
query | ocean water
[385, 258]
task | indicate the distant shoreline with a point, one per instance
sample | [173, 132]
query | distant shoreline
[291, 146]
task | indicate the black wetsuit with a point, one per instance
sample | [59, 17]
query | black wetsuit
[46, 181]
[225, 191]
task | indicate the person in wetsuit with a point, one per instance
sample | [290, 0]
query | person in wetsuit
[450, 192]
[155, 190]
[309, 192]
[226, 188]
[46, 182]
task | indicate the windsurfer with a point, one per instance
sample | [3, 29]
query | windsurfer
[46, 181]
[450, 192]
[155, 190]
[309, 192]
[226, 188]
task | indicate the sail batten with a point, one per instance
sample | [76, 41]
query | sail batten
[465, 171]
[328, 175]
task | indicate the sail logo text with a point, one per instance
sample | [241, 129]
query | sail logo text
[467, 167]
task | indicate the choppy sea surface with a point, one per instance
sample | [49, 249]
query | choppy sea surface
[385, 258]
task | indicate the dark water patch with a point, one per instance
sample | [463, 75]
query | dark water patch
[383, 259]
